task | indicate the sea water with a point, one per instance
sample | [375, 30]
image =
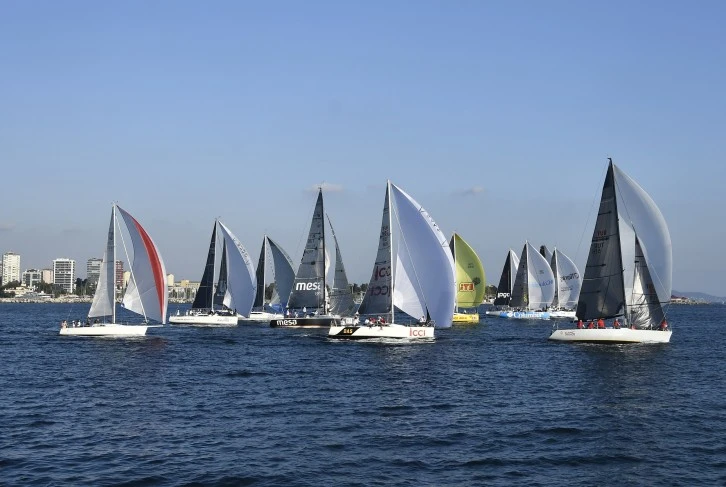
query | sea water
[489, 404]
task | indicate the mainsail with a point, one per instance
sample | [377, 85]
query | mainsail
[221, 291]
[204, 296]
[377, 299]
[341, 296]
[309, 286]
[104, 298]
[260, 276]
[470, 277]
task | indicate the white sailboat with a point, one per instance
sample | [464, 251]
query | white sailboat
[629, 269]
[146, 293]
[283, 275]
[567, 287]
[236, 285]
[533, 289]
[421, 284]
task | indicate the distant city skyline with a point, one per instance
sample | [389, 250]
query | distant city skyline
[497, 117]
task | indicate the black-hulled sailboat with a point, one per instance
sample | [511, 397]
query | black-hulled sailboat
[308, 304]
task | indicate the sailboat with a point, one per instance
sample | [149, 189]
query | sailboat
[506, 283]
[283, 277]
[235, 290]
[146, 293]
[470, 280]
[629, 268]
[567, 288]
[533, 289]
[420, 284]
[308, 304]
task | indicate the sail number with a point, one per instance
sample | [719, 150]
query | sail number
[416, 333]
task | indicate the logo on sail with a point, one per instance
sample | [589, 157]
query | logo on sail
[466, 286]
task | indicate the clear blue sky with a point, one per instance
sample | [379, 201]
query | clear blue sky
[496, 116]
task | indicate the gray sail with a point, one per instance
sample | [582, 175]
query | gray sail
[284, 273]
[378, 296]
[645, 311]
[203, 299]
[104, 297]
[545, 252]
[260, 294]
[341, 296]
[309, 287]
[603, 293]
[520, 288]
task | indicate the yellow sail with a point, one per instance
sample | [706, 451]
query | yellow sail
[470, 278]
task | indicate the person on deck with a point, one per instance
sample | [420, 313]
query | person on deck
[591, 325]
[601, 323]
[664, 325]
[579, 324]
[616, 324]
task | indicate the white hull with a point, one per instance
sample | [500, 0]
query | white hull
[389, 330]
[563, 315]
[105, 329]
[204, 320]
[521, 315]
[263, 316]
[611, 335]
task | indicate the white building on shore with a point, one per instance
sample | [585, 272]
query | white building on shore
[11, 268]
[64, 274]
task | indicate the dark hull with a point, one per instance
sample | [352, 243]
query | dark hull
[306, 322]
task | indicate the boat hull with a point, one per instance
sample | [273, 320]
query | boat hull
[610, 335]
[105, 329]
[204, 320]
[521, 315]
[306, 322]
[468, 318]
[390, 330]
[563, 315]
[262, 317]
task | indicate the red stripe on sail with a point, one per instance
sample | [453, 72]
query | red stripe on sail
[155, 265]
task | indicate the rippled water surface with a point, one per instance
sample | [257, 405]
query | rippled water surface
[493, 404]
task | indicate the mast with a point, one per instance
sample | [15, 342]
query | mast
[113, 301]
[390, 239]
[617, 226]
[264, 270]
[557, 279]
[324, 290]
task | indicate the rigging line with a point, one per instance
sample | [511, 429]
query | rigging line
[587, 221]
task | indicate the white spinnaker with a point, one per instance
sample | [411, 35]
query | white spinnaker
[146, 293]
[569, 281]
[515, 265]
[639, 211]
[541, 281]
[241, 278]
[103, 298]
[431, 270]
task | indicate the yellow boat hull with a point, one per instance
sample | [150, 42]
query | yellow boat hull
[471, 318]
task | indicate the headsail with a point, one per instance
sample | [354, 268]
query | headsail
[260, 276]
[146, 293]
[309, 286]
[470, 277]
[568, 280]
[221, 292]
[425, 267]
[203, 298]
[645, 311]
[104, 297]
[284, 273]
[242, 283]
[341, 297]
[377, 299]
[506, 280]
